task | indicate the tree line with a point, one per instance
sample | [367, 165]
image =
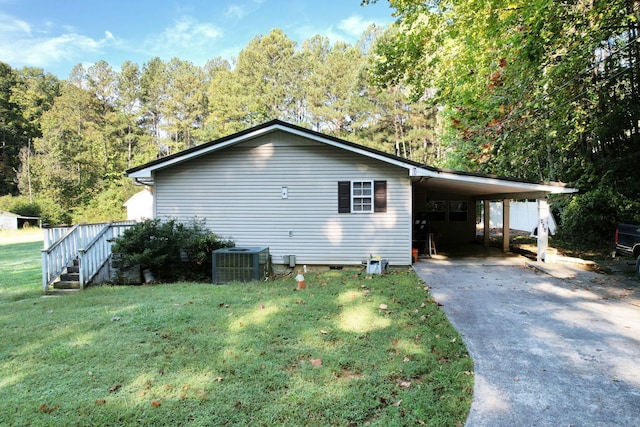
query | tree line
[536, 89]
[66, 143]
[541, 90]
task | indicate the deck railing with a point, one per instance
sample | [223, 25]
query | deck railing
[62, 245]
[97, 252]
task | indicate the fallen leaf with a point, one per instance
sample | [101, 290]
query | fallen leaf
[261, 306]
[114, 388]
[398, 403]
[453, 340]
[406, 359]
[383, 306]
[405, 384]
[100, 402]
[115, 318]
[323, 332]
[316, 363]
[48, 409]
[156, 403]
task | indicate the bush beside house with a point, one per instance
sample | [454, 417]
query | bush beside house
[171, 250]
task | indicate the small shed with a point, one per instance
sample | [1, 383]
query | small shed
[11, 221]
[140, 205]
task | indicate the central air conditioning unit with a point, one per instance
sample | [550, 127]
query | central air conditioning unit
[240, 264]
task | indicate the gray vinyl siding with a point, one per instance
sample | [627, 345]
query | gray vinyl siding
[237, 190]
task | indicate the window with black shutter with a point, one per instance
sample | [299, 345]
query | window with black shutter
[344, 196]
[362, 196]
[380, 196]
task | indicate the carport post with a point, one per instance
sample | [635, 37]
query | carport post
[487, 221]
[506, 232]
[543, 229]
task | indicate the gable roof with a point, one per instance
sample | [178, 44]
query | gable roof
[470, 184]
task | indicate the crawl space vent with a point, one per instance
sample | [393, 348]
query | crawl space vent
[242, 264]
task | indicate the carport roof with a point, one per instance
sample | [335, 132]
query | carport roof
[488, 187]
[467, 184]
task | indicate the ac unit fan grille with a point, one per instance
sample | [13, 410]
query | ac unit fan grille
[240, 264]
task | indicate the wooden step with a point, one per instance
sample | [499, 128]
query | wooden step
[70, 277]
[73, 269]
[67, 284]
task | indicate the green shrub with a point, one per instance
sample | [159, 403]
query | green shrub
[23, 207]
[591, 218]
[43, 207]
[170, 249]
[104, 207]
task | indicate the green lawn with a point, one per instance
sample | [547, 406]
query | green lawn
[20, 269]
[351, 349]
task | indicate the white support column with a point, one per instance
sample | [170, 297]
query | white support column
[487, 213]
[543, 229]
[506, 226]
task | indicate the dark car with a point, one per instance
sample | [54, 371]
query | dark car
[628, 242]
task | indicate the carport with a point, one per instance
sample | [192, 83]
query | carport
[446, 204]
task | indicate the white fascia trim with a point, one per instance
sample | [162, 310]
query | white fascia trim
[499, 182]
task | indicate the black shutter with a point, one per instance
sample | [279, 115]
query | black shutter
[380, 196]
[344, 196]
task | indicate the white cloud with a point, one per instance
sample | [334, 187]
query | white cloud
[186, 36]
[22, 47]
[355, 25]
[347, 30]
[236, 11]
[11, 25]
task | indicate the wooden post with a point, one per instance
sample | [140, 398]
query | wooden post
[543, 230]
[506, 226]
[45, 269]
[487, 214]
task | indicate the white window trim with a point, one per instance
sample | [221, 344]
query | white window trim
[353, 196]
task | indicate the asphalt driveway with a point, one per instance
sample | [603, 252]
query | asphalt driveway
[549, 350]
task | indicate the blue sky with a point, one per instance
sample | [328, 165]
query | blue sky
[58, 34]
